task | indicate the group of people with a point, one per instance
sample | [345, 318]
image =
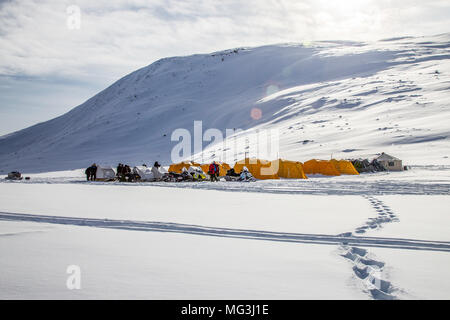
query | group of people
[124, 173]
[123, 169]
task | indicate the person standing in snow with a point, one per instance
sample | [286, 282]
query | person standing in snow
[217, 171]
[88, 173]
[91, 173]
[119, 170]
[213, 171]
[94, 172]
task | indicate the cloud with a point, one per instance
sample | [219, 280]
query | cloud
[117, 37]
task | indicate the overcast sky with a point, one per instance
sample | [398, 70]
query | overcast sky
[51, 61]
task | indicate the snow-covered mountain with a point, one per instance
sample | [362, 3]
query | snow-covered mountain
[348, 99]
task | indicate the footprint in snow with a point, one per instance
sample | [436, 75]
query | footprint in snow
[369, 271]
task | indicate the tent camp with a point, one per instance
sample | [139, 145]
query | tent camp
[260, 169]
[323, 167]
[223, 168]
[105, 174]
[289, 169]
[344, 167]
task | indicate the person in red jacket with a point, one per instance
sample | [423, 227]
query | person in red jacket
[213, 171]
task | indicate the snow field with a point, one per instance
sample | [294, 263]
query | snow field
[150, 264]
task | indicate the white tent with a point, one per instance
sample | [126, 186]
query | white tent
[144, 172]
[105, 173]
[163, 170]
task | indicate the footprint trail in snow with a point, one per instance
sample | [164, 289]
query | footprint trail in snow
[365, 267]
[385, 215]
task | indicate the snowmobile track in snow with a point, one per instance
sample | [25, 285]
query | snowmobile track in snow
[344, 239]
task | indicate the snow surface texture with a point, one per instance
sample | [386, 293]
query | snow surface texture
[137, 242]
[348, 99]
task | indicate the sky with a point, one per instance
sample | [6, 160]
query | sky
[55, 54]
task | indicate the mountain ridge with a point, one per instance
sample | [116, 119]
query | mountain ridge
[132, 119]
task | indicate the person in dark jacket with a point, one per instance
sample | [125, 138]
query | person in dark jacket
[129, 176]
[88, 173]
[91, 173]
[119, 170]
[94, 172]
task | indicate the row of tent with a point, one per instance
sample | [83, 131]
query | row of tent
[263, 169]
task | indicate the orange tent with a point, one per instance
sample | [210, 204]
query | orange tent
[320, 167]
[289, 169]
[178, 167]
[344, 166]
[260, 169]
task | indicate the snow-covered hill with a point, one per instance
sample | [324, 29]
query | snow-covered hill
[348, 99]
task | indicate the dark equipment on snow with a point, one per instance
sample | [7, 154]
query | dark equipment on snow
[14, 175]
[178, 177]
[364, 165]
[232, 175]
[132, 177]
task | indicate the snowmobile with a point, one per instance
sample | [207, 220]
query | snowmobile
[246, 176]
[15, 175]
[232, 175]
[197, 173]
[132, 177]
[178, 177]
[364, 165]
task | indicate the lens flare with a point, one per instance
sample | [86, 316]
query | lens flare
[256, 113]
